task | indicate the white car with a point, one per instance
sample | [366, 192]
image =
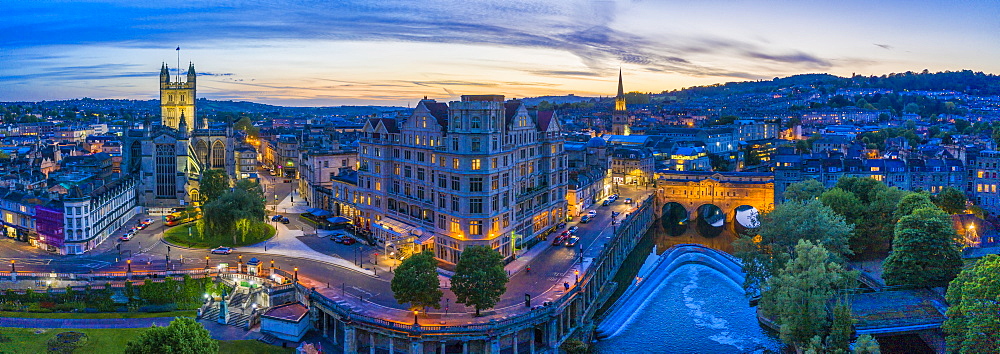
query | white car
[592, 213]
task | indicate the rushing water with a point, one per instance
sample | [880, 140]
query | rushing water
[695, 310]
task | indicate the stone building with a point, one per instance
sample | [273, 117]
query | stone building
[170, 156]
[480, 171]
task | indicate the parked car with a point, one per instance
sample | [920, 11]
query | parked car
[285, 220]
[140, 226]
[628, 200]
[337, 238]
[572, 241]
[348, 240]
[558, 239]
[613, 197]
[573, 229]
[585, 219]
[592, 213]
[560, 225]
[606, 202]
[276, 218]
[127, 236]
[222, 250]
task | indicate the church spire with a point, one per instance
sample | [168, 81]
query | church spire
[621, 88]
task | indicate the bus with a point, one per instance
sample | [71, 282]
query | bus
[182, 215]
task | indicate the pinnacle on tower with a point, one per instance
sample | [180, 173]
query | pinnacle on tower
[621, 88]
[164, 73]
[191, 74]
[182, 125]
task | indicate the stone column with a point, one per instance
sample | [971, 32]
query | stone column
[514, 337]
[371, 342]
[552, 337]
[416, 347]
[465, 347]
[350, 340]
[441, 348]
[495, 345]
[392, 346]
[325, 318]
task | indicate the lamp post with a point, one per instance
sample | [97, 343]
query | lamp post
[415, 313]
[129, 263]
[12, 270]
[239, 264]
[206, 262]
[576, 273]
[272, 266]
[296, 269]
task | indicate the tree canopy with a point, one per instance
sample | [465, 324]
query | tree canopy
[233, 214]
[479, 278]
[780, 233]
[805, 190]
[183, 335]
[951, 200]
[212, 184]
[973, 321]
[416, 281]
[925, 250]
[798, 295]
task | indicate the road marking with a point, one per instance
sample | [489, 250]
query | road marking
[26, 261]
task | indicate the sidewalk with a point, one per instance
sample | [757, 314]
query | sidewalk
[84, 323]
[286, 243]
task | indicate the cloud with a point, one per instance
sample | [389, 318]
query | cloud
[883, 46]
[564, 73]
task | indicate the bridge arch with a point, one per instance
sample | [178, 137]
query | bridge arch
[711, 220]
[745, 218]
[675, 218]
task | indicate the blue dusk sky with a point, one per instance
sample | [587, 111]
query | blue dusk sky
[393, 52]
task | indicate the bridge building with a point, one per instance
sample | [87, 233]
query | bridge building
[692, 190]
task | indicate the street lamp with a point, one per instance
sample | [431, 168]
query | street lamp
[129, 263]
[12, 270]
[576, 273]
[296, 269]
[206, 262]
[415, 313]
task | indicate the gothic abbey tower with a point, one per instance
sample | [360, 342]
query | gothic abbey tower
[620, 120]
[177, 100]
[170, 156]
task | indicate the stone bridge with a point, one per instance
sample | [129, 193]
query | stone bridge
[711, 197]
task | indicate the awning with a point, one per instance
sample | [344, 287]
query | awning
[313, 210]
[396, 229]
[321, 213]
[338, 220]
[425, 239]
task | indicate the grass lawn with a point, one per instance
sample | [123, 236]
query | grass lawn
[183, 313]
[101, 341]
[178, 235]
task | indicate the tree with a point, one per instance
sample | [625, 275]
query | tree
[223, 215]
[183, 335]
[780, 232]
[416, 281]
[866, 344]
[250, 186]
[951, 200]
[212, 184]
[972, 324]
[925, 250]
[574, 346]
[911, 202]
[805, 190]
[479, 278]
[798, 294]
[247, 127]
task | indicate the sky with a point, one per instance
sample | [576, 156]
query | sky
[395, 52]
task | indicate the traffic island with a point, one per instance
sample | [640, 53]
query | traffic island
[190, 236]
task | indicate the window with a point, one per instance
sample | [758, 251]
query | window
[395, 187]
[476, 205]
[433, 158]
[496, 203]
[456, 183]
[476, 164]
[454, 163]
[395, 168]
[476, 227]
[378, 167]
[495, 182]
[455, 226]
[406, 154]
[326, 163]
[442, 222]
[442, 181]
[343, 163]
[454, 203]
[420, 173]
[420, 157]
[505, 200]
[420, 193]
[407, 172]
[441, 202]
[476, 184]
[476, 145]
[493, 162]
[475, 123]
[454, 144]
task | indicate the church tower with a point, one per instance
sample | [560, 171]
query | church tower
[619, 118]
[177, 99]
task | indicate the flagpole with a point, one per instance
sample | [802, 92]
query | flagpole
[178, 64]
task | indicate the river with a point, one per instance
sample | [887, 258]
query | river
[695, 310]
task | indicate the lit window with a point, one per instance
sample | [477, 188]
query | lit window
[454, 163]
[475, 164]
